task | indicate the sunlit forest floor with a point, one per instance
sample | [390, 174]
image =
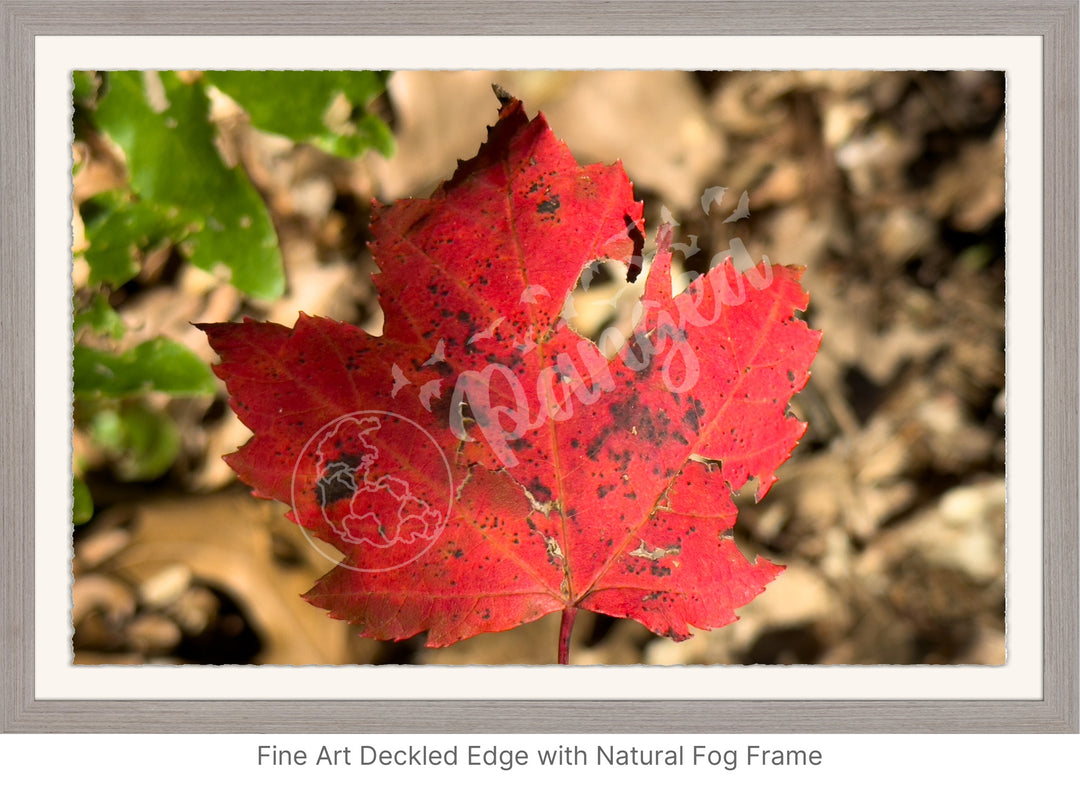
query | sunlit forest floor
[890, 517]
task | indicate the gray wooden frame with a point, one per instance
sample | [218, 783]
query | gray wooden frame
[1056, 21]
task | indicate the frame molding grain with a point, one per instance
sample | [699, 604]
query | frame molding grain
[1056, 21]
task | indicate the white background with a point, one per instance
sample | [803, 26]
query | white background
[1020, 678]
[885, 760]
[878, 761]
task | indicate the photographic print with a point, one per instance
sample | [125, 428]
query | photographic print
[538, 367]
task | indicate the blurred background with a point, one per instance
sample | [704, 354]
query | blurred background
[887, 186]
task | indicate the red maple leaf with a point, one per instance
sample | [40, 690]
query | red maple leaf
[480, 464]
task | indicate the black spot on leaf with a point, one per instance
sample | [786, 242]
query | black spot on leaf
[550, 205]
[634, 233]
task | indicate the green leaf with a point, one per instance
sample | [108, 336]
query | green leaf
[141, 443]
[100, 318]
[82, 507]
[323, 108]
[155, 365]
[118, 227]
[163, 127]
[85, 86]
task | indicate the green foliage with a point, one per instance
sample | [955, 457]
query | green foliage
[167, 137]
[99, 318]
[82, 504]
[118, 227]
[85, 85]
[183, 192]
[141, 443]
[323, 108]
[183, 195]
[157, 364]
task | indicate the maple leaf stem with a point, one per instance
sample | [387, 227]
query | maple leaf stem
[568, 616]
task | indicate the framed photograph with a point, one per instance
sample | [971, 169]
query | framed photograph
[373, 364]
